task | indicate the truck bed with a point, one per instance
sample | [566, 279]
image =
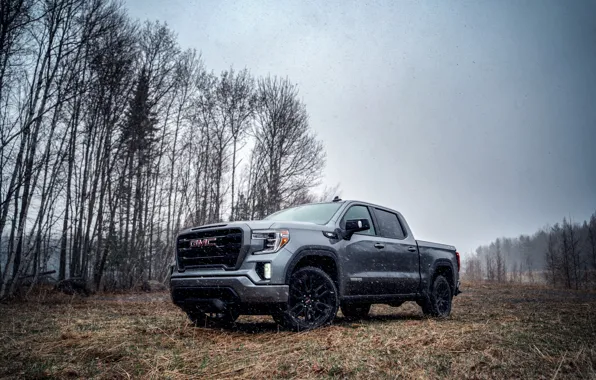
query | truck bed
[433, 253]
[430, 244]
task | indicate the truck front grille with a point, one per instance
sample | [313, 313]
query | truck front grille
[212, 248]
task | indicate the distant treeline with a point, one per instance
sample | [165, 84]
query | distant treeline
[562, 255]
[112, 139]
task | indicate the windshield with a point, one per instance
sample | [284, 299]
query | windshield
[319, 213]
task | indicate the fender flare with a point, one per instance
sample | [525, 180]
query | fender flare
[312, 251]
[442, 263]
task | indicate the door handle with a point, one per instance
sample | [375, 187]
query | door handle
[412, 249]
[379, 246]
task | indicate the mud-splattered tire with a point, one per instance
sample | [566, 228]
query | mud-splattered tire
[439, 300]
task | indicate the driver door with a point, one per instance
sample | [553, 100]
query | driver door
[364, 261]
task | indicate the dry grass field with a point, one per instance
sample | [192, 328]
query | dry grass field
[495, 332]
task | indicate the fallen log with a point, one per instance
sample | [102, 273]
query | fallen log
[38, 275]
[72, 286]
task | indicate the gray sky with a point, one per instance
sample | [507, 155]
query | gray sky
[475, 119]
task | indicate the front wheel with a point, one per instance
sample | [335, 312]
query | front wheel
[439, 299]
[313, 300]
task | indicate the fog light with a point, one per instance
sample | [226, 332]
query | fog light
[267, 271]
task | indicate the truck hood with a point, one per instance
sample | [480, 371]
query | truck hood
[270, 224]
[262, 225]
[258, 224]
[298, 225]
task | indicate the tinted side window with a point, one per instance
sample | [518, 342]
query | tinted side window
[359, 212]
[389, 225]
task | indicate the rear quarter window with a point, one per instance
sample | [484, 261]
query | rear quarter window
[389, 225]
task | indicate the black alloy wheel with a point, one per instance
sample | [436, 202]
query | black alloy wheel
[312, 302]
[439, 300]
[443, 298]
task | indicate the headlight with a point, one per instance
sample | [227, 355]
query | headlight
[272, 240]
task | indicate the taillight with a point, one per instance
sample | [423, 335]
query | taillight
[458, 260]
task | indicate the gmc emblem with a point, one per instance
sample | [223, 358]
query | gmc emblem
[202, 242]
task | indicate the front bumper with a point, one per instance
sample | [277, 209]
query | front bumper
[212, 291]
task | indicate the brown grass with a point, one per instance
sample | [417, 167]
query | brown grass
[501, 332]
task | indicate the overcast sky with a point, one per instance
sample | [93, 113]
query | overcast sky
[475, 119]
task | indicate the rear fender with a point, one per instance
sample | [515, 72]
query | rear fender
[435, 267]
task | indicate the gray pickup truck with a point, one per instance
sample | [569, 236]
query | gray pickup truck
[301, 264]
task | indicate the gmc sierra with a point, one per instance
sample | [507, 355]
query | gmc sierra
[303, 263]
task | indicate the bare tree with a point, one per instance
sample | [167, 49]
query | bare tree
[52, 36]
[500, 262]
[516, 273]
[592, 244]
[111, 140]
[290, 155]
[489, 263]
[237, 103]
[473, 268]
[566, 267]
[574, 253]
[552, 257]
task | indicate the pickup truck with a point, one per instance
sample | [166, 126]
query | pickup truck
[301, 264]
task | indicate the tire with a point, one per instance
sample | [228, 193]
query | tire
[226, 319]
[439, 300]
[355, 311]
[313, 301]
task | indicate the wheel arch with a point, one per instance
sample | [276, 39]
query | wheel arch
[444, 267]
[320, 257]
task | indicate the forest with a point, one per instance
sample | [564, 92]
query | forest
[113, 138]
[562, 255]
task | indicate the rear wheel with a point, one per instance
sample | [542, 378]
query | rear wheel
[355, 311]
[312, 302]
[439, 299]
[224, 319]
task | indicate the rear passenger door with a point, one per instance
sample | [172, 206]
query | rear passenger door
[400, 251]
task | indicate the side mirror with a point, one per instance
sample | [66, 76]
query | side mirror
[355, 225]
